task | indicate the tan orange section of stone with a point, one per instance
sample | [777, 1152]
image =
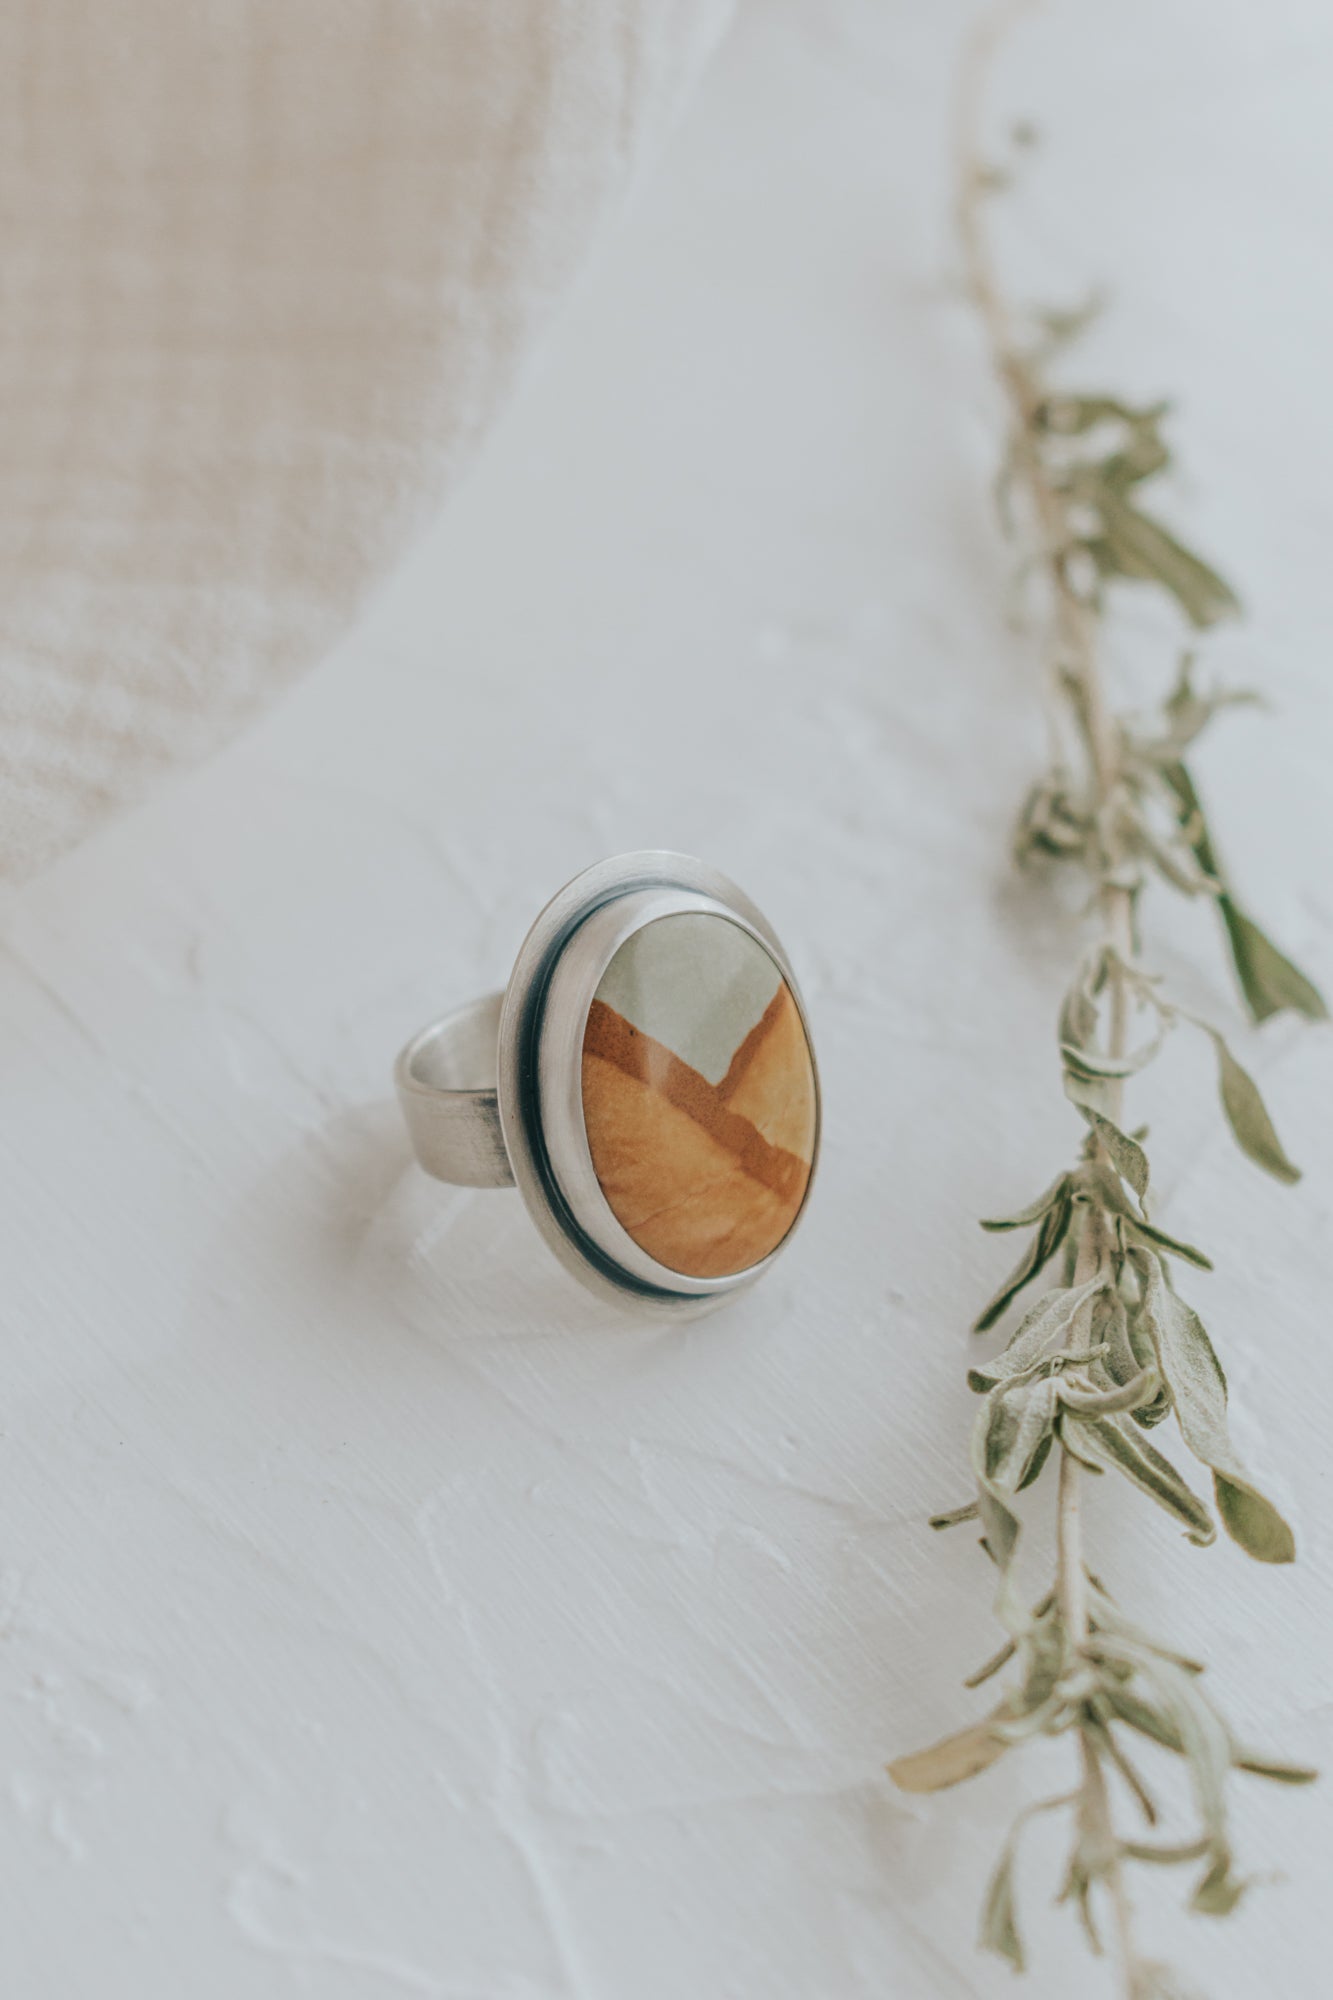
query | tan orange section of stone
[683, 1163]
[771, 1080]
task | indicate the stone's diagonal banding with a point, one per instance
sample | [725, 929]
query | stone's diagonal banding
[613, 1039]
[746, 1054]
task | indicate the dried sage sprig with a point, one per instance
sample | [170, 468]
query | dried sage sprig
[1108, 1349]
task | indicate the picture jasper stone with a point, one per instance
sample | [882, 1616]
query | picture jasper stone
[699, 1095]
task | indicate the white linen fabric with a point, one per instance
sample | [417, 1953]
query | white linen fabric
[266, 271]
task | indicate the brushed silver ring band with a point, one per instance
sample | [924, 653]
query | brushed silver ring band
[446, 1079]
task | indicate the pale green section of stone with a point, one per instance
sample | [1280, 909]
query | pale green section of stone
[695, 982]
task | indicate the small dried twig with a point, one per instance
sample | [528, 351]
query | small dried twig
[1111, 1350]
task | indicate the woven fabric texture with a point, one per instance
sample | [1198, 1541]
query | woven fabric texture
[266, 273]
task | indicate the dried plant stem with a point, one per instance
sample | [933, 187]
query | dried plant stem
[1074, 657]
[1071, 1567]
[1072, 1595]
[1110, 1349]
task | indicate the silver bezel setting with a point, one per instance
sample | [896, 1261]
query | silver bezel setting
[542, 1024]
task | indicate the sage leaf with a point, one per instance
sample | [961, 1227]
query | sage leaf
[1070, 1435]
[1071, 416]
[1204, 1742]
[999, 1920]
[1173, 1244]
[1033, 1212]
[1077, 1889]
[1043, 1648]
[1086, 1062]
[1268, 979]
[1193, 1374]
[1273, 1768]
[1037, 1461]
[1177, 866]
[1111, 1748]
[1092, 1094]
[999, 1541]
[1116, 1440]
[1183, 795]
[1148, 1415]
[1049, 1235]
[1009, 1431]
[1010, 1440]
[1106, 1402]
[1219, 1891]
[1136, 546]
[1141, 1716]
[1253, 1521]
[949, 1762]
[1045, 1325]
[1078, 1015]
[999, 1924]
[1108, 1616]
[1190, 712]
[1141, 1346]
[1248, 1116]
[1144, 456]
[1125, 1357]
[992, 1665]
[1126, 1155]
[1165, 1853]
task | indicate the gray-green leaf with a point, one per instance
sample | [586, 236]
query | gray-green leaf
[1203, 1739]
[999, 1924]
[1092, 1094]
[1033, 1213]
[1010, 1441]
[1149, 1721]
[1078, 1014]
[1248, 1116]
[1189, 712]
[1071, 416]
[1044, 1326]
[1126, 1155]
[1219, 1891]
[1072, 1437]
[1193, 1374]
[1274, 1768]
[1135, 545]
[1086, 1062]
[1173, 1244]
[1010, 1429]
[1117, 1440]
[1268, 979]
[1142, 1388]
[1049, 1235]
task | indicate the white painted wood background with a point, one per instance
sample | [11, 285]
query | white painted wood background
[378, 1616]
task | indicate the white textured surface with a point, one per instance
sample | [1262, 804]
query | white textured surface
[381, 1618]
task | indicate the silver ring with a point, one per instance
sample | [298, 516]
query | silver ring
[647, 1080]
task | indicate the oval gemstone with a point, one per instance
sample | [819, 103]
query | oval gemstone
[699, 1095]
